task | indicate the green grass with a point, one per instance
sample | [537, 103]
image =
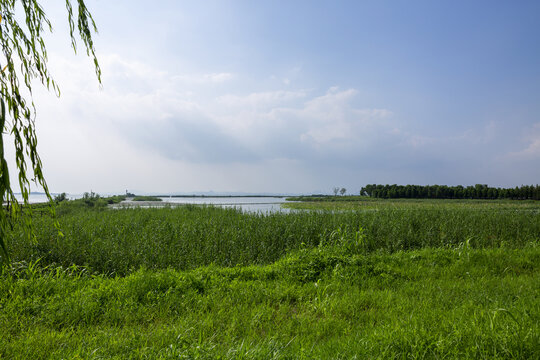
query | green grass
[318, 303]
[390, 279]
[117, 242]
[366, 203]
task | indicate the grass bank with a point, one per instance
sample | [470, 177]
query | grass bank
[397, 280]
[316, 303]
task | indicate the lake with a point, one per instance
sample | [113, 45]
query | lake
[246, 204]
[35, 198]
[261, 204]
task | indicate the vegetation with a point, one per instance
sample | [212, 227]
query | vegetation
[478, 191]
[63, 205]
[388, 279]
[60, 197]
[24, 60]
[146, 198]
[316, 303]
[322, 202]
[341, 191]
[191, 236]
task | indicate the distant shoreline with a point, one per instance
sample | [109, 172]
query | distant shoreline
[223, 196]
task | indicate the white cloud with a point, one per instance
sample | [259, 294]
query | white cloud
[332, 117]
[212, 78]
[300, 125]
[152, 109]
[261, 100]
[532, 149]
[147, 121]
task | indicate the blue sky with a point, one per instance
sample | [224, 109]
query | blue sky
[295, 96]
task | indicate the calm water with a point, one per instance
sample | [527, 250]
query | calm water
[41, 198]
[247, 204]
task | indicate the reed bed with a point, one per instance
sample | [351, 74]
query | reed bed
[118, 242]
[397, 281]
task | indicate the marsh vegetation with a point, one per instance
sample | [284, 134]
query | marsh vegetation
[377, 279]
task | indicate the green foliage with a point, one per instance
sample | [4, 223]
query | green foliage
[90, 200]
[115, 199]
[122, 241]
[414, 280]
[60, 197]
[479, 191]
[24, 60]
[312, 304]
[362, 203]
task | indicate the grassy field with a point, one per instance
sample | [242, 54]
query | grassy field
[366, 203]
[387, 279]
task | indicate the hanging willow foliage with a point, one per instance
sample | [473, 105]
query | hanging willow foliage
[22, 62]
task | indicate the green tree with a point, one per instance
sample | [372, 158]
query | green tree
[60, 197]
[23, 62]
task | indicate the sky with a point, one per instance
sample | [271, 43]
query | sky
[293, 96]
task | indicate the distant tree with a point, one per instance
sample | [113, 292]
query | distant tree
[367, 190]
[479, 191]
[336, 190]
[60, 197]
[342, 191]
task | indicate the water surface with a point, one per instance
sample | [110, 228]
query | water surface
[246, 204]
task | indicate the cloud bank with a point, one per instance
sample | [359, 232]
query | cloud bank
[147, 123]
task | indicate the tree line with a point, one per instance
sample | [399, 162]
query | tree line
[478, 191]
